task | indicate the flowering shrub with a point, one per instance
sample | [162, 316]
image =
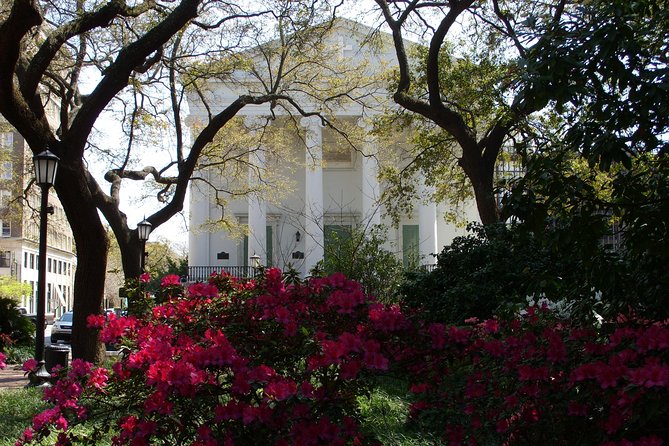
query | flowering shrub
[3, 358]
[232, 363]
[244, 363]
[539, 380]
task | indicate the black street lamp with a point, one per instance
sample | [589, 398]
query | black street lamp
[46, 165]
[143, 231]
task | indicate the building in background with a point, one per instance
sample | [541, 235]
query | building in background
[19, 237]
[328, 186]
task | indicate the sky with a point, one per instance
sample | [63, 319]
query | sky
[135, 202]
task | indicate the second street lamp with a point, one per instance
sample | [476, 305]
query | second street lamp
[143, 231]
[46, 166]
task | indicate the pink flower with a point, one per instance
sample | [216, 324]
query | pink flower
[650, 375]
[170, 280]
[345, 301]
[2, 361]
[387, 319]
[98, 378]
[307, 389]
[202, 290]
[95, 321]
[491, 326]
[281, 390]
[650, 441]
[27, 435]
[502, 426]
[145, 277]
[459, 336]
[30, 365]
[350, 370]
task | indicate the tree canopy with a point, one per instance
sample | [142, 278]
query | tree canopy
[65, 64]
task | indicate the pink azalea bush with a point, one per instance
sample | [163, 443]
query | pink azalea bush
[232, 363]
[540, 380]
[247, 363]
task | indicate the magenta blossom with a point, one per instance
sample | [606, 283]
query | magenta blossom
[30, 365]
[170, 280]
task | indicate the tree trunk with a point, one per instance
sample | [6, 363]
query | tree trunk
[485, 201]
[92, 246]
[131, 252]
[480, 169]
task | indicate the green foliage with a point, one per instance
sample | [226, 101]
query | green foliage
[361, 256]
[606, 73]
[18, 354]
[12, 288]
[168, 265]
[496, 268]
[385, 411]
[19, 329]
[17, 407]
[475, 87]
[139, 300]
[632, 207]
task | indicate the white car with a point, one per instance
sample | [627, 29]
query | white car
[62, 329]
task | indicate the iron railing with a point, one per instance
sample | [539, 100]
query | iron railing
[202, 273]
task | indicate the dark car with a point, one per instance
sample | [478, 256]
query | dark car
[62, 329]
[48, 317]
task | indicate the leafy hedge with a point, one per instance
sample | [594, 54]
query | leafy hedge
[232, 363]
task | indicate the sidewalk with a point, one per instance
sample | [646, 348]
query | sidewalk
[12, 378]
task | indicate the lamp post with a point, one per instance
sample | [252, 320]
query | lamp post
[143, 231]
[255, 263]
[46, 165]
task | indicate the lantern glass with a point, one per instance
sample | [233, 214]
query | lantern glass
[144, 229]
[46, 166]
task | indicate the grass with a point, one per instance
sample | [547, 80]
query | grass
[383, 411]
[384, 414]
[17, 407]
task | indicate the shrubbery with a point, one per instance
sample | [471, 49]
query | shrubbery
[233, 363]
[362, 257]
[495, 270]
[244, 363]
[539, 380]
[18, 330]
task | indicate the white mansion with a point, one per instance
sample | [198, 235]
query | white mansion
[323, 188]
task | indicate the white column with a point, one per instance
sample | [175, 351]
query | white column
[371, 213]
[427, 227]
[257, 207]
[313, 188]
[199, 239]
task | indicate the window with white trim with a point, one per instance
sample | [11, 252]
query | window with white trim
[7, 170]
[6, 229]
[5, 259]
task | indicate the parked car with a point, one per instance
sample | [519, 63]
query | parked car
[48, 317]
[62, 329]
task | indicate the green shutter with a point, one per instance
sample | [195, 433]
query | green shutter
[245, 251]
[333, 237]
[270, 245]
[410, 241]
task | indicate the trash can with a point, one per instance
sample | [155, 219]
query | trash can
[54, 355]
